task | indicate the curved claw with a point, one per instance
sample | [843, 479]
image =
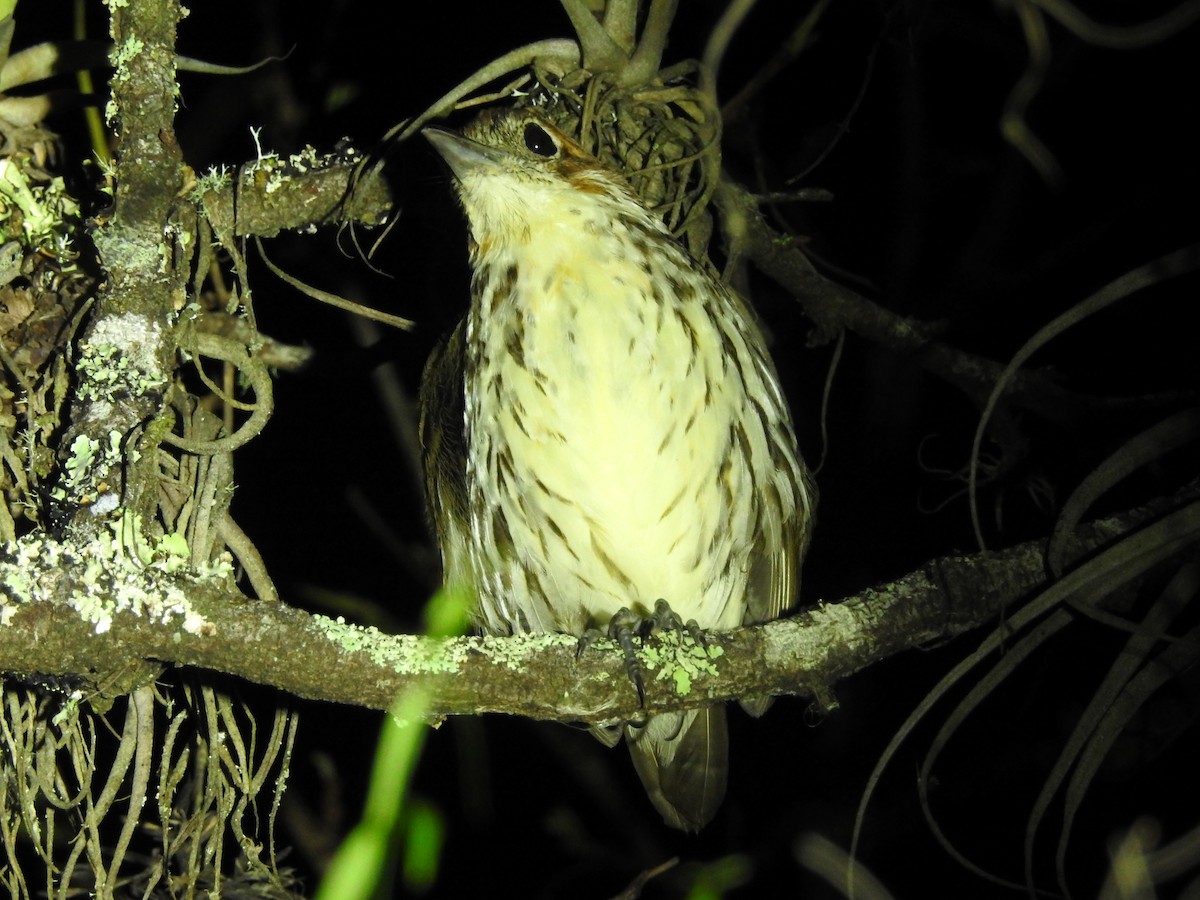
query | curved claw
[624, 625]
[664, 618]
[586, 640]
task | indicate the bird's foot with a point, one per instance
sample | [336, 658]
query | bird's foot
[626, 625]
[666, 619]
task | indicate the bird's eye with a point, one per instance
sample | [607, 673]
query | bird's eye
[538, 140]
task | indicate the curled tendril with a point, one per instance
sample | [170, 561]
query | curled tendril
[253, 370]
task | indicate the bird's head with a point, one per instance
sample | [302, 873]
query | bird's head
[515, 170]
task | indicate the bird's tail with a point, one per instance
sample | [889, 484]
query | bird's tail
[683, 761]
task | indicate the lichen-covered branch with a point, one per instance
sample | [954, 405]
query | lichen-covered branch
[126, 354]
[272, 194]
[155, 612]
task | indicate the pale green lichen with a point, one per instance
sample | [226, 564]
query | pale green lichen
[115, 453]
[167, 553]
[107, 371]
[89, 462]
[513, 652]
[68, 708]
[107, 578]
[219, 569]
[269, 172]
[81, 459]
[408, 654]
[174, 551]
[679, 660]
[405, 654]
[124, 53]
[121, 56]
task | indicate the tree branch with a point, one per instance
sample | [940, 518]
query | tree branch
[273, 194]
[125, 358]
[55, 618]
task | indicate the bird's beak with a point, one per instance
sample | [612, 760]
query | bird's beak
[462, 154]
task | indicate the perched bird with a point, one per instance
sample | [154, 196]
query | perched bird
[605, 429]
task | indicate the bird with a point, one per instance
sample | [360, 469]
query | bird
[604, 434]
